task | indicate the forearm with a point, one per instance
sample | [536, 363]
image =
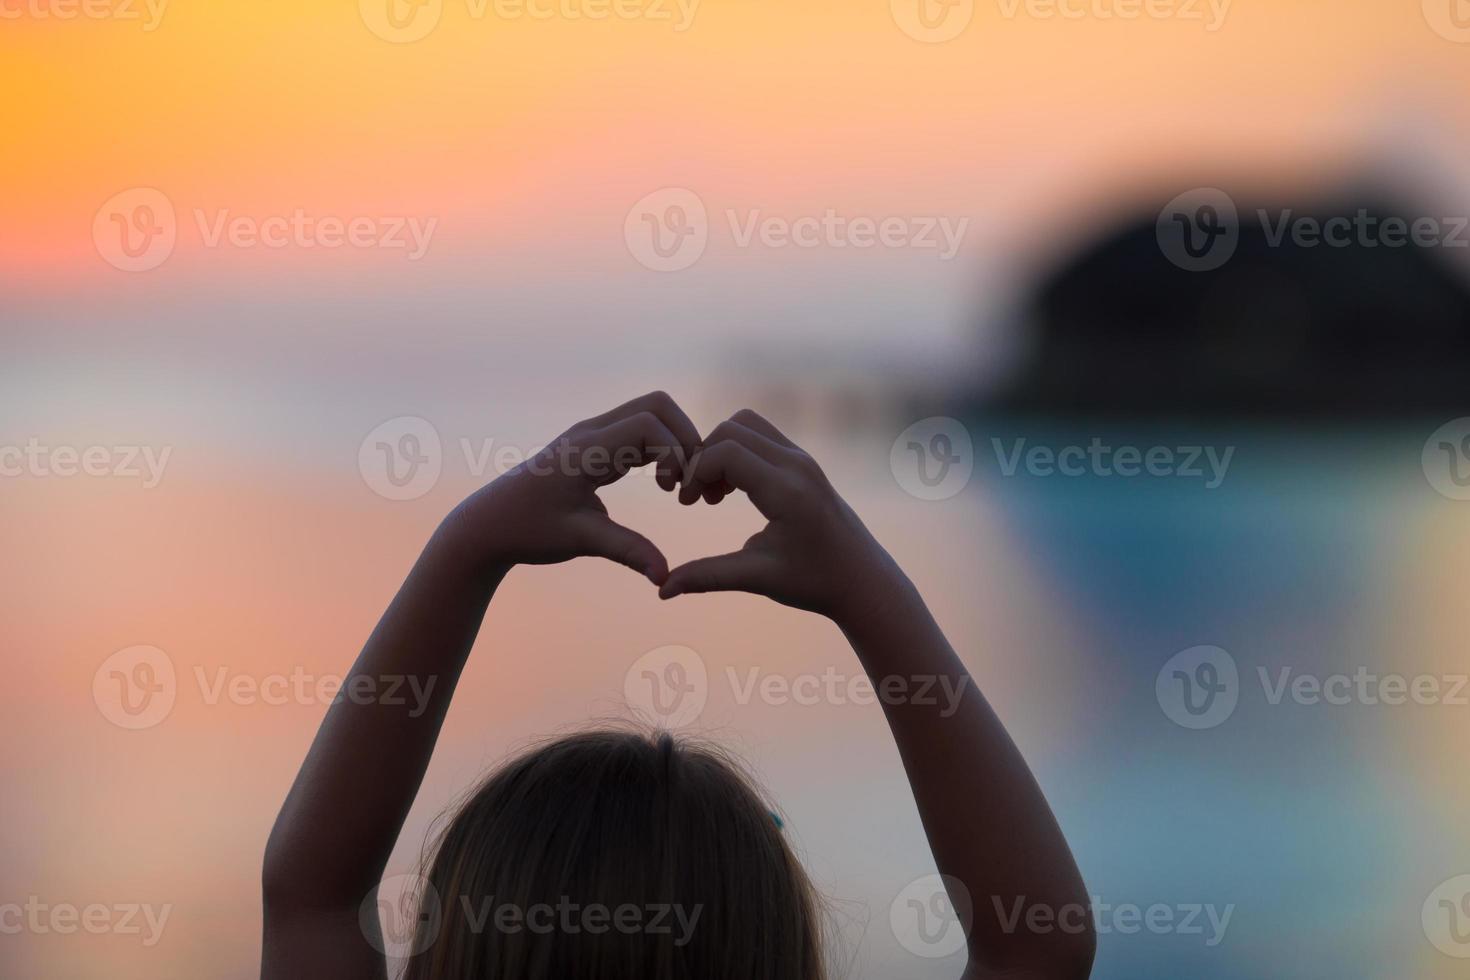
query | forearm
[988, 824]
[343, 814]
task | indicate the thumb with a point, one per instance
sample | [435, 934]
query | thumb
[739, 571]
[602, 537]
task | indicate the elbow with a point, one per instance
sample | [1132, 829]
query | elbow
[1071, 955]
[276, 881]
[1072, 949]
[1065, 950]
[286, 876]
[297, 876]
[1065, 957]
[1074, 955]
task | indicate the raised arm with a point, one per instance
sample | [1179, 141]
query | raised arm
[342, 817]
[988, 824]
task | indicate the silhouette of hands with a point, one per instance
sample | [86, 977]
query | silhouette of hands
[813, 554]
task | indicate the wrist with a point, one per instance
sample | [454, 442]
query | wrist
[874, 596]
[470, 545]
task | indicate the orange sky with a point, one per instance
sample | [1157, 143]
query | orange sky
[523, 133]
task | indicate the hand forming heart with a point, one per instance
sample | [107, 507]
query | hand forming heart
[814, 553]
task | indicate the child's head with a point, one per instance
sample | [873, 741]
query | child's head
[614, 854]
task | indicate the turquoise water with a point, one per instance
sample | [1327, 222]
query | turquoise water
[1312, 820]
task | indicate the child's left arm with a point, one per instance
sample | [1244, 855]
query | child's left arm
[990, 828]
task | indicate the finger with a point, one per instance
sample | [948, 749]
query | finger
[663, 406]
[634, 441]
[732, 431]
[602, 537]
[753, 420]
[736, 466]
[762, 445]
[739, 571]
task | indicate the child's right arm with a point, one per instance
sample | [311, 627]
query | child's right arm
[988, 824]
[339, 823]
